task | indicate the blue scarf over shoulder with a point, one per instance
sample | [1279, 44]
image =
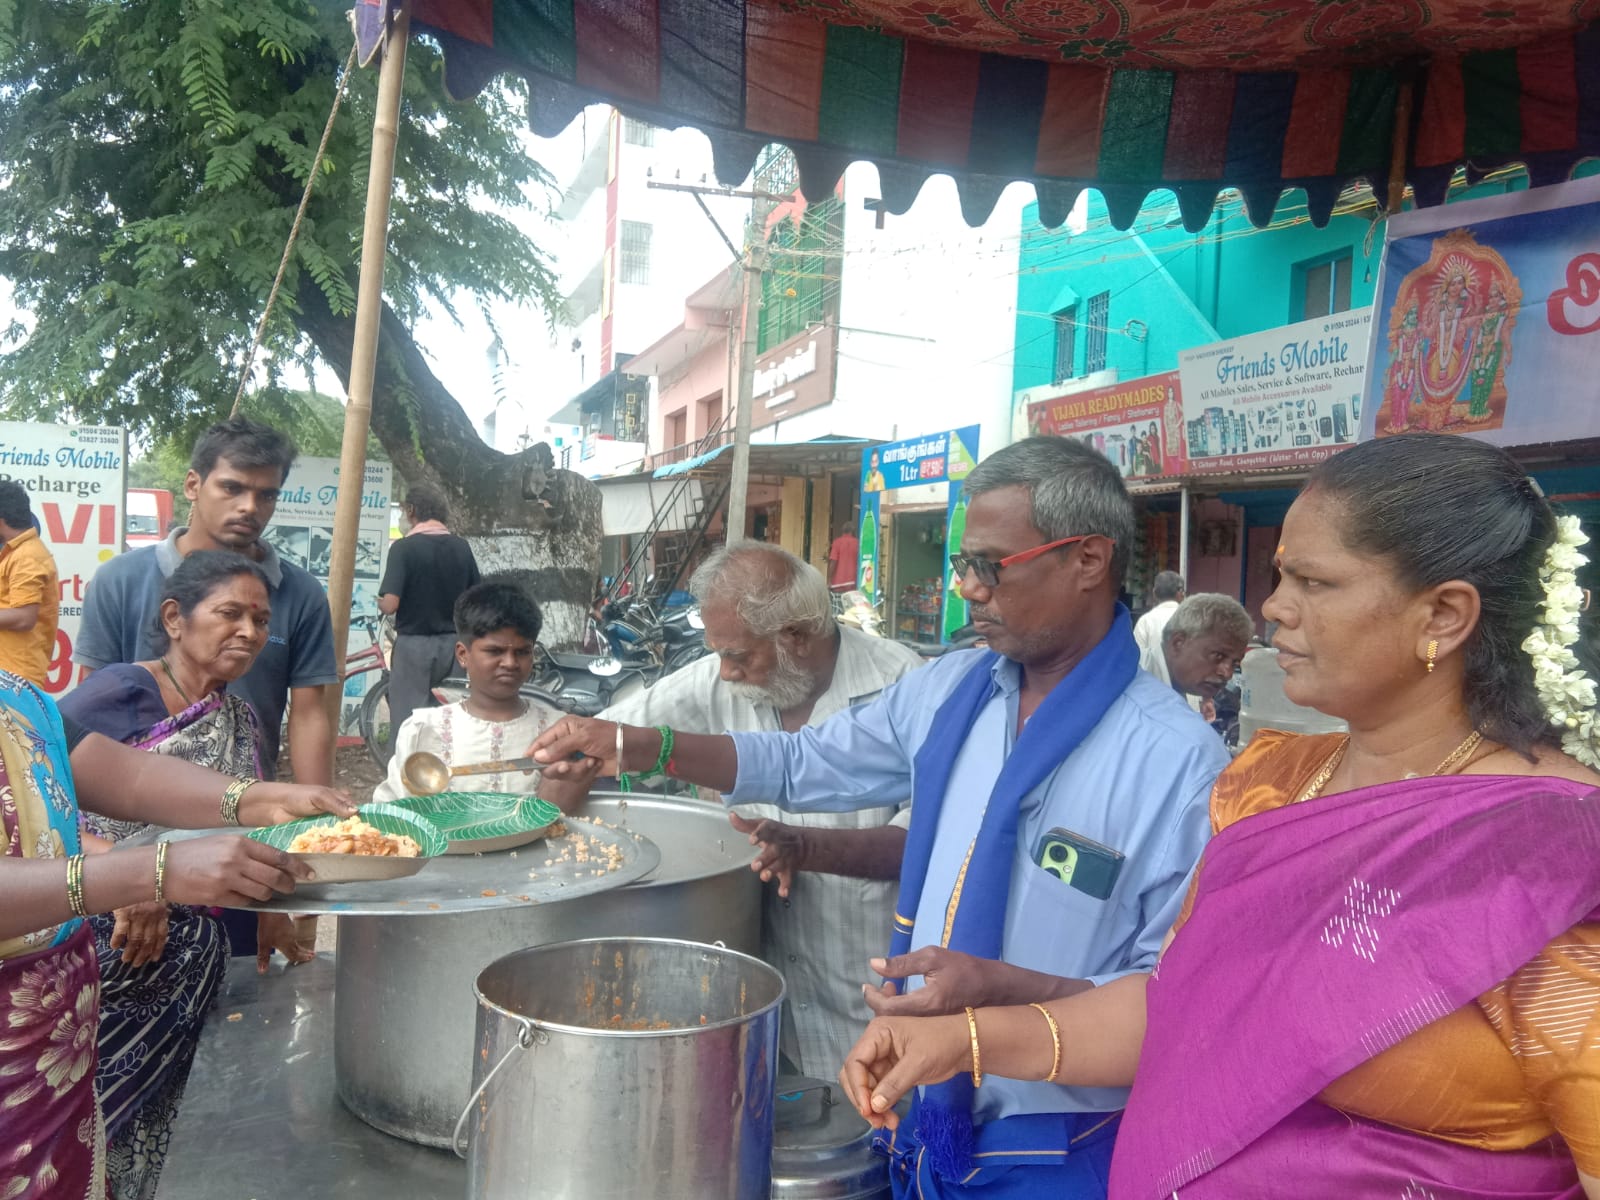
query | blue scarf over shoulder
[977, 925]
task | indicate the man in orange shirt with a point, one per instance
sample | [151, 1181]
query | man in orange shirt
[842, 559]
[30, 595]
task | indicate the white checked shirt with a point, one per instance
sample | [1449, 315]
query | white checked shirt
[823, 935]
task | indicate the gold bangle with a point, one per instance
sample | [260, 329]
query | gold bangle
[75, 886]
[161, 871]
[977, 1056]
[230, 799]
[1055, 1042]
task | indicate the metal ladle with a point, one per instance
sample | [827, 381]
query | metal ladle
[427, 774]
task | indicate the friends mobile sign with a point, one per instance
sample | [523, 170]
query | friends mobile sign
[1289, 397]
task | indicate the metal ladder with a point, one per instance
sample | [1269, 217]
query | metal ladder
[682, 508]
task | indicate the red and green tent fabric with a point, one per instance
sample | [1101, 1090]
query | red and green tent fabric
[1124, 96]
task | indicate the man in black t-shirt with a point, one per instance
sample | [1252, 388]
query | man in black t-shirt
[427, 570]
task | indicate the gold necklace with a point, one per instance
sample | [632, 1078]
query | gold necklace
[1455, 758]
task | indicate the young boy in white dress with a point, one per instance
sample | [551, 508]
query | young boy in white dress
[497, 624]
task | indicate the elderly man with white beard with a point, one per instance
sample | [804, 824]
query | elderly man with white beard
[780, 661]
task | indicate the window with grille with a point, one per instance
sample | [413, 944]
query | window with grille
[1066, 344]
[638, 133]
[1324, 286]
[800, 286]
[635, 252]
[1094, 338]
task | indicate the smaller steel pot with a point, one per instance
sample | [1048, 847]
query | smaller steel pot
[821, 1148]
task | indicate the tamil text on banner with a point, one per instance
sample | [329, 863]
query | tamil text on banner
[302, 533]
[1138, 425]
[1289, 397]
[1489, 319]
[75, 476]
[933, 458]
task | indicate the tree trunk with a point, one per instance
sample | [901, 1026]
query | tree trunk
[518, 511]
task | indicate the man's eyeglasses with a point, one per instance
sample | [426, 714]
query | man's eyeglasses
[988, 570]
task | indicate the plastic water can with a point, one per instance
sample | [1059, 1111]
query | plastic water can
[1263, 704]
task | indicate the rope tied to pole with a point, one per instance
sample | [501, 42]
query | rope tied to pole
[294, 230]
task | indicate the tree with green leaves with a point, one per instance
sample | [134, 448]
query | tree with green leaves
[153, 156]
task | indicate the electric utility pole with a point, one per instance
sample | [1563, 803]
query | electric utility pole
[751, 263]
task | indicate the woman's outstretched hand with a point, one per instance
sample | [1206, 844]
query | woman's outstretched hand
[269, 803]
[896, 1054]
[229, 871]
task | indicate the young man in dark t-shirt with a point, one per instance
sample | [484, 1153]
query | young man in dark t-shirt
[426, 571]
[235, 474]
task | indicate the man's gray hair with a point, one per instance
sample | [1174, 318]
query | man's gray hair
[1072, 489]
[1168, 586]
[768, 588]
[1210, 612]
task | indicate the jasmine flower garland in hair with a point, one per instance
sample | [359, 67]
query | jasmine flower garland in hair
[1565, 692]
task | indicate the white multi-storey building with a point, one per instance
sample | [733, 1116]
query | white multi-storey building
[627, 248]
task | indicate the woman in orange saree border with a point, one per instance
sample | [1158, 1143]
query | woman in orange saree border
[1376, 990]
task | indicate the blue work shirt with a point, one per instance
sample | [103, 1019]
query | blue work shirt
[1139, 783]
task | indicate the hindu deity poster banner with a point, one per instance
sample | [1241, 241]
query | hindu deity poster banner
[1488, 319]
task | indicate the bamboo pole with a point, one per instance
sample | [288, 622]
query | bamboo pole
[364, 349]
[1398, 155]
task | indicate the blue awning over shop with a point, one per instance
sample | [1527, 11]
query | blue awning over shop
[828, 453]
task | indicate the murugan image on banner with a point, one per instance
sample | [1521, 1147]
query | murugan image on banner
[1450, 340]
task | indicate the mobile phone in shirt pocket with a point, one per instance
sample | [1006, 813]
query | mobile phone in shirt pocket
[1081, 863]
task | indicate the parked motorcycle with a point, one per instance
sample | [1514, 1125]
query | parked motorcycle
[683, 637]
[854, 609]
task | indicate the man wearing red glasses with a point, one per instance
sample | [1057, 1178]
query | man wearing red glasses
[1059, 804]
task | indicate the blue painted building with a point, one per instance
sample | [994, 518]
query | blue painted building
[1100, 304]
[1129, 301]
[1097, 305]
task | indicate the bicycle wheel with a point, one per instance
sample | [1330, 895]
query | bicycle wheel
[375, 730]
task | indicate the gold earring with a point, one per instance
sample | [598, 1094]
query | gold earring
[1433, 652]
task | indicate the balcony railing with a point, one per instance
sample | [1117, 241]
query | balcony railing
[720, 435]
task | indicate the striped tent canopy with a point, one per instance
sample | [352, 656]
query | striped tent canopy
[1124, 96]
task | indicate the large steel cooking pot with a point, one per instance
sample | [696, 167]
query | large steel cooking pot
[623, 1067]
[403, 1001]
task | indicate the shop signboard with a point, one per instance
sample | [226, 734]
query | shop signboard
[1138, 425]
[933, 458]
[795, 376]
[1488, 319]
[945, 457]
[76, 477]
[1288, 397]
[302, 533]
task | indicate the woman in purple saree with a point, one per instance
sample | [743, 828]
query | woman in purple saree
[1387, 982]
[161, 966]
